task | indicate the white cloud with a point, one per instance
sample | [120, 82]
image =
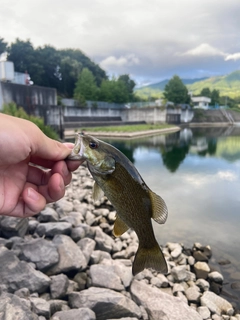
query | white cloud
[204, 50]
[135, 37]
[227, 175]
[112, 61]
[234, 56]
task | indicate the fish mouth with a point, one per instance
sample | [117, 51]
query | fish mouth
[78, 150]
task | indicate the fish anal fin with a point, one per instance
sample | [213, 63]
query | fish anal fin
[119, 227]
[159, 208]
[97, 192]
[149, 258]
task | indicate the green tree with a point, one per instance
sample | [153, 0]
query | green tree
[24, 57]
[86, 88]
[129, 84]
[114, 90]
[3, 45]
[49, 59]
[175, 91]
[206, 92]
[70, 69]
[50, 67]
[215, 97]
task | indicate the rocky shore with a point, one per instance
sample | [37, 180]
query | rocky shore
[64, 264]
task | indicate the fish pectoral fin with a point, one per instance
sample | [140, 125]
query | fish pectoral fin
[159, 208]
[119, 227]
[97, 192]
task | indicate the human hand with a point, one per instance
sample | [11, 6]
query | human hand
[25, 188]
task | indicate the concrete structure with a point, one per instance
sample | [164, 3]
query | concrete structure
[26, 96]
[201, 102]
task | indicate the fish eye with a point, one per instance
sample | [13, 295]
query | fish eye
[93, 145]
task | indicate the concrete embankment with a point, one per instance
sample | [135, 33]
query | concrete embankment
[215, 118]
[71, 133]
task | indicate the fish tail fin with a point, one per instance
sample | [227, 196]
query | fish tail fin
[149, 258]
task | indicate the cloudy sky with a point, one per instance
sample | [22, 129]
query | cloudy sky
[150, 40]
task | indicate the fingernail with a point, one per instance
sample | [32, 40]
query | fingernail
[32, 194]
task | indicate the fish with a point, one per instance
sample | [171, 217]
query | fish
[117, 178]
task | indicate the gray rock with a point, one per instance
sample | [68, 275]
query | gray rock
[50, 229]
[193, 294]
[203, 284]
[14, 308]
[64, 205]
[41, 307]
[215, 276]
[81, 314]
[75, 218]
[77, 233]
[104, 242]
[159, 305]
[18, 274]
[216, 304]
[59, 286]
[41, 252]
[89, 231]
[70, 256]
[103, 212]
[105, 303]
[81, 279]
[58, 305]
[177, 251]
[191, 260]
[48, 215]
[22, 293]
[177, 287]
[97, 256]
[122, 270]
[125, 318]
[201, 269]
[32, 225]
[105, 276]
[179, 273]
[204, 312]
[11, 226]
[87, 246]
[200, 256]
[90, 218]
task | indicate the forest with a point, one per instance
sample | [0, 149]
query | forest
[68, 70]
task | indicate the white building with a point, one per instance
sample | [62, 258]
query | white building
[201, 102]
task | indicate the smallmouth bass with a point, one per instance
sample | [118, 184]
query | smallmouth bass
[135, 204]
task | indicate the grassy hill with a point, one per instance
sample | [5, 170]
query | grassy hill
[228, 85]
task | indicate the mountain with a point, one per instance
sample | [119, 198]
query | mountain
[227, 85]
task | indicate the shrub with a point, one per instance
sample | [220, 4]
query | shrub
[12, 110]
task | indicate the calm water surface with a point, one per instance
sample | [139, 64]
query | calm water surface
[197, 172]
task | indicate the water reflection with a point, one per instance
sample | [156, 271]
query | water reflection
[197, 172]
[174, 147]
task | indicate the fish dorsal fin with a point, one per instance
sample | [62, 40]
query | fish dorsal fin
[159, 208]
[119, 227]
[97, 192]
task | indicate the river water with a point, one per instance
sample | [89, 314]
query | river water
[197, 173]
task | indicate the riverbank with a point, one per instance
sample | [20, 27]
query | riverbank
[69, 266]
[69, 134]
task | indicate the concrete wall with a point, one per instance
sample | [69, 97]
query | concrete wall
[26, 96]
[150, 115]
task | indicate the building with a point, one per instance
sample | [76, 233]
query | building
[201, 102]
[17, 87]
